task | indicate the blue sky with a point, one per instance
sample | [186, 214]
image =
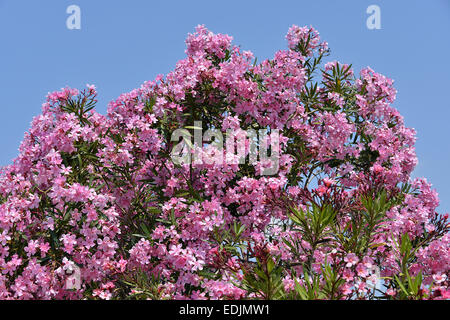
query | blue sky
[121, 44]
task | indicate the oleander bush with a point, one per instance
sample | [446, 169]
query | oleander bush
[101, 197]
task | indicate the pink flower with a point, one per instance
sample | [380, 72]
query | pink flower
[348, 275]
[329, 182]
[44, 247]
[68, 265]
[180, 262]
[391, 292]
[438, 278]
[346, 289]
[361, 270]
[321, 190]
[92, 88]
[102, 294]
[31, 247]
[4, 237]
[69, 241]
[351, 259]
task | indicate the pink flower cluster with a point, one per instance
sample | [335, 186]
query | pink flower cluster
[50, 222]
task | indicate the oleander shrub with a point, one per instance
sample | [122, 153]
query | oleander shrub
[339, 218]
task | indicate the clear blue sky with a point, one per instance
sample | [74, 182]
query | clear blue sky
[124, 43]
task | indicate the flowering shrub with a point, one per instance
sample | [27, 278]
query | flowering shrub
[340, 219]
